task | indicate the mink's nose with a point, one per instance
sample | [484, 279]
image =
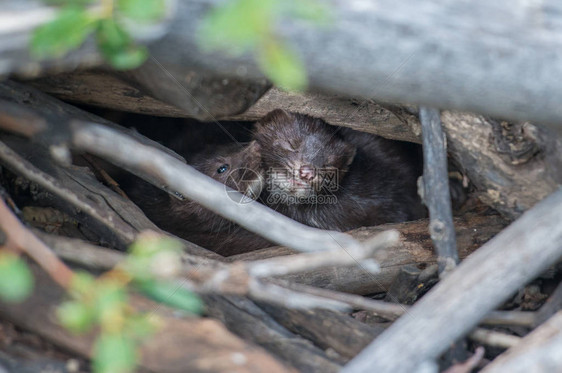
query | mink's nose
[307, 172]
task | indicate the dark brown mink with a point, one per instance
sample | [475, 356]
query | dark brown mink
[336, 178]
[239, 168]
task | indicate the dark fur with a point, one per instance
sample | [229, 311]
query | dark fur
[377, 177]
[193, 222]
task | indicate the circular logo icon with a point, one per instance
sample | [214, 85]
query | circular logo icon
[247, 185]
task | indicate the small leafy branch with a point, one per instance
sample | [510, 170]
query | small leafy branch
[79, 19]
[102, 303]
[238, 26]
[249, 25]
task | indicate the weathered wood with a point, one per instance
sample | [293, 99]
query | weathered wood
[250, 322]
[202, 95]
[410, 283]
[75, 191]
[327, 329]
[181, 345]
[552, 305]
[488, 277]
[503, 160]
[104, 89]
[415, 248]
[156, 90]
[410, 52]
[436, 194]
[114, 91]
[427, 60]
[537, 352]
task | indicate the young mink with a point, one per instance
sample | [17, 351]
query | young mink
[240, 169]
[335, 178]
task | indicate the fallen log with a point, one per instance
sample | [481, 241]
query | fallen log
[414, 248]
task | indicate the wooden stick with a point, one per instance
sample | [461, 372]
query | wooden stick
[436, 193]
[539, 351]
[493, 338]
[486, 278]
[21, 238]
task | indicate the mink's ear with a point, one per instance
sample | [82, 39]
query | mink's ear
[348, 153]
[275, 116]
[253, 148]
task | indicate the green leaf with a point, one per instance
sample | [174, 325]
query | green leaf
[110, 303]
[76, 316]
[16, 280]
[114, 353]
[238, 25]
[117, 46]
[282, 66]
[82, 284]
[142, 10]
[68, 31]
[140, 326]
[149, 244]
[172, 295]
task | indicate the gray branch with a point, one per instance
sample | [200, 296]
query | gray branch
[436, 193]
[497, 58]
[480, 283]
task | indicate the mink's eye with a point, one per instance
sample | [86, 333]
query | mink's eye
[222, 168]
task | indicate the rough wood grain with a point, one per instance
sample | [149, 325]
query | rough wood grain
[503, 160]
[327, 329]
[511, 259]
[415, 248]
[114, 91]
[436, 195]
[251, 323]
[115, 220]
[537, 352]
[182, 345]
[104, 89]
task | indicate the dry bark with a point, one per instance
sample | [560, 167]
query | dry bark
[415, 248]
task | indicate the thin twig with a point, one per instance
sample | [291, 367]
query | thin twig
[306, 262]
[493, 338]
[436, 192]
[21, 238]
[105, 176]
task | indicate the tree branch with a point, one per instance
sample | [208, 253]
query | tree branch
[487, 278]
[436, 193]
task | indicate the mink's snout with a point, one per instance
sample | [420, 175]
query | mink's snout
[307, 172]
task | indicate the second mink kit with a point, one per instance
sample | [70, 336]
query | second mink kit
[320, 175]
